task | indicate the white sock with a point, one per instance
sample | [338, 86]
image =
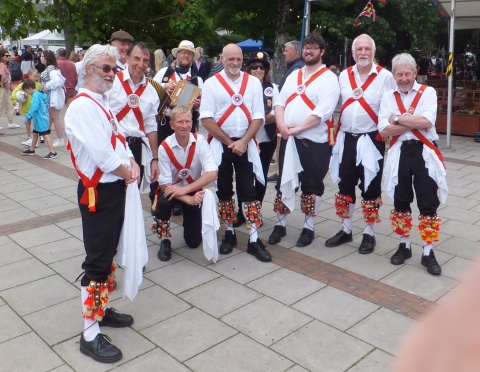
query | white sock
[253, 235]
[347, 222]
[368, 229]
[406, 240]
[281, 219]
[91, 328]
[309, 222]
[427, 249]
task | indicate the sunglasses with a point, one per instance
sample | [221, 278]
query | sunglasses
[6, 55]
[256, 67]
[106, 68]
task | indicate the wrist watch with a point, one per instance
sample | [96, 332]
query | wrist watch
[395, 119]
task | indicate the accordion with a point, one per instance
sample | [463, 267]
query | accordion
[184, 93]
[164, 100]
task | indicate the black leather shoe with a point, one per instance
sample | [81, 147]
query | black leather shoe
[401, 255]
[430, 262]
[228, 242]
[277, 234]
[258, 250]
[165, 251]
[338, 239]
[239, 219]
[100, 349]
[306, 238]
[177, 209]
[113, 318]
[367, 245]
[272, 178]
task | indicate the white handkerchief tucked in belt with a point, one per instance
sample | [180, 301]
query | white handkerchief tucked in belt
[210, 225]
[254, 158]
[217, 151]
[337, 155]
[390, 170]
[436, 170]
[132, 253]
[368, 155]
[146, 161]
[291, 168]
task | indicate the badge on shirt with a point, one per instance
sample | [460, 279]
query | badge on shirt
[357, 93]
[114, 126]
[268, 92]
[301, 88]
[411, 110]
[184, 173]
[237, 99]
[133, 100]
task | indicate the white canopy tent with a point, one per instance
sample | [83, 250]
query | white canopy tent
[464, 14]
[45, 37]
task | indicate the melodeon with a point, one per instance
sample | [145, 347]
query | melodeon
[184, 93]
[164, 100]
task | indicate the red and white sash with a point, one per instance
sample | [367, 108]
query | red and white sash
[133, 101]
[176, 163]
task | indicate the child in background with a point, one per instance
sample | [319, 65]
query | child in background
[33, 75]
[39, 112]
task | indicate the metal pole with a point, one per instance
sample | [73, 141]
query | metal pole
[305, 20]
[450, 78]
[345, 59]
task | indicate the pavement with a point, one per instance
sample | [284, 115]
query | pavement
[310, 309]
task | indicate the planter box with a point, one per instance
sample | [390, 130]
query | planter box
[462, 124]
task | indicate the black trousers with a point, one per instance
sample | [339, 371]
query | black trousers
[192, 218]
[412, 170]
[101, 229]
[136, 149]
[350, 173]
[267, 149]
[315, 160]
[245, 177]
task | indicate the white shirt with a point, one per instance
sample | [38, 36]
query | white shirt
[149, 102]
[216, 100]
[202, 160]
[323, 92]
[354, 118]
[81, 75]
[426, 107]
[90, 134]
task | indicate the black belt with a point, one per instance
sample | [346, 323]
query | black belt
[360, 134]
[132, 140]
[413, 142]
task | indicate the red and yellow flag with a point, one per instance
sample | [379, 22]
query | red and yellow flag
[368, 11]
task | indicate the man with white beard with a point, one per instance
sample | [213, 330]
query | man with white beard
[358, 152]
[105, 165]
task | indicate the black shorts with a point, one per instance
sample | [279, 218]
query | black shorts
[44, 133]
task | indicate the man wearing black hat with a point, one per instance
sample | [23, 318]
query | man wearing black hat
[122, 41]
[258, 65]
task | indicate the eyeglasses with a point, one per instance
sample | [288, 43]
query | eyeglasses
[6, 55]
[256, 67]
[307, 49]
[106, 68]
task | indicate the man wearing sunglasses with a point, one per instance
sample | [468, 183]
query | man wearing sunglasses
[105, 165]
[134, 102]
[304, 116]
[358, 153]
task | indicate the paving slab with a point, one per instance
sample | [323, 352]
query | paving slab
[174, 277]
[220, 296]
[383, 329]
[39, 236]
[255, 320]
[153, 361]
[334, 307]
[319, 347]
[286, 286]
[11, 252]
[22, 272]
[376, 361]
[239, 354]
[188, 334]
[39, 294]
[11, 324]
[58, 250]
[40, 356]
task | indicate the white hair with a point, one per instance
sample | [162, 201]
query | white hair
[96, 51]
[363, 36]
[404, 59]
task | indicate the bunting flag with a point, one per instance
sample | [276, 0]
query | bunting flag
[382, 1]
[368, 11]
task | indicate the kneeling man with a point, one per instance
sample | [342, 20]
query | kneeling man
[183, 156]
